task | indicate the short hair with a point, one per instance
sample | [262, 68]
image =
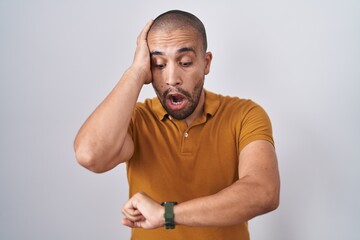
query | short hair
[177, 19]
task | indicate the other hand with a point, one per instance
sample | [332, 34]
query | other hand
[141, 211]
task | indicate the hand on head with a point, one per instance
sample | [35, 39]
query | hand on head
[141, 63]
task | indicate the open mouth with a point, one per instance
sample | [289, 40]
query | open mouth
[176, 100]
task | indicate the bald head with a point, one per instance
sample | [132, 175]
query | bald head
[175, 20]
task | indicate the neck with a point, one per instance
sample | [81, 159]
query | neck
[198, 110]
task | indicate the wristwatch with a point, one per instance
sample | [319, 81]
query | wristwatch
[169, 214]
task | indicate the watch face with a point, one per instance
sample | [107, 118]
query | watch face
[168, 203]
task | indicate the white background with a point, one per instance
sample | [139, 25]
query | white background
[58, 59]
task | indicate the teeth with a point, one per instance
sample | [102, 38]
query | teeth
[176, 100]
[175, 103]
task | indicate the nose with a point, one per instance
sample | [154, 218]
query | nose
[173, 77]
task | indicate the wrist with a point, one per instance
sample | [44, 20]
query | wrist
[169, 216]
[161, 216]
[139, 75]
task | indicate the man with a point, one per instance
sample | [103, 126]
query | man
[212, 155]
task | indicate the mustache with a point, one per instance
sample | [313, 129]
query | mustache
[176, 89]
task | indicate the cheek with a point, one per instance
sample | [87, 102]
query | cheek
[195, 76]
[157, 84]
[158, 76]
[155, 77]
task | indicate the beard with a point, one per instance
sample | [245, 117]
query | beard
[192, 98]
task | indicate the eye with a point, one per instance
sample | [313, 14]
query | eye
[185, 64]
[158, 62]
[159, 65]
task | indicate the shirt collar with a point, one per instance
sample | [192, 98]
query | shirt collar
[212, 103]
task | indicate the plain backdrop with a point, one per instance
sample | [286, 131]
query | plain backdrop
[58, 59]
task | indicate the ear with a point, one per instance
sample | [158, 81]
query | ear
[208, 58]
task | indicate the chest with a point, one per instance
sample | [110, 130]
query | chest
[203, 155]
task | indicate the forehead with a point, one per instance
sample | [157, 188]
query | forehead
[169, 41]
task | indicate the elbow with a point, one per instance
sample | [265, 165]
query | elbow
[88, 161]
[272, 201]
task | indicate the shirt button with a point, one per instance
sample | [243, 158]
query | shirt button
[170, 117]
[186, 134]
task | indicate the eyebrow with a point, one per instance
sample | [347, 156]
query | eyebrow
[181, 50]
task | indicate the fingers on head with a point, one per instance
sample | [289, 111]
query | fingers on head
[143, 33]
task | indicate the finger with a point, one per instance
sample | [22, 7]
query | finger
[130, 211]
[135, 218]
[139, 224]
[130, 207]
[132, 224]
[143, 33]
[127, 222]
[133, 215]
[136, 212]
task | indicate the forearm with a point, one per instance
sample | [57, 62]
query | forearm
[102, 136]
[103, 141]
[237, 203]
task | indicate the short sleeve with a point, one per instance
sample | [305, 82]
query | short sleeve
[255, 125]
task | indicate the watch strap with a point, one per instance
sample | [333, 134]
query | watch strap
[169, 214]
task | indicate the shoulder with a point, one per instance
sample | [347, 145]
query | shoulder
[238, 106]
[146, 104]
[148, 112]
[245, 119]
[242, 112]
[148, 107]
